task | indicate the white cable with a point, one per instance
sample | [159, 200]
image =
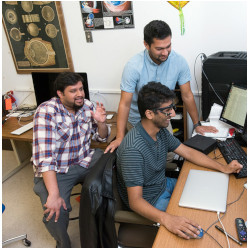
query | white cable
[23, 101]
[97, 93]
[218, 214]
[197, 84]
[212, 86]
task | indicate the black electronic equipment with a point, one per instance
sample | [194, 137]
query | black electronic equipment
[201, 143]
[241, 229]
[44, 85]
[221, 70]
[231, 150]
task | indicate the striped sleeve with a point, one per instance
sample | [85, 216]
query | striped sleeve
[132, 167]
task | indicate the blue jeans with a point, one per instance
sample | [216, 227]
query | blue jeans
[163, 200]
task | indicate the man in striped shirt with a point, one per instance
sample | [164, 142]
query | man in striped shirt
[141, 161]
[61, 149]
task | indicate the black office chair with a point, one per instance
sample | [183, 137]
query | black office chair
[76, 217]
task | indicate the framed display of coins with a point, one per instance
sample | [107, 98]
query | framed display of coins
[37, 36]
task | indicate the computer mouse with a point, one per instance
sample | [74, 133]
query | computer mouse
[199, 236]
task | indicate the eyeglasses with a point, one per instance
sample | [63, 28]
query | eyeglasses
[167, 109]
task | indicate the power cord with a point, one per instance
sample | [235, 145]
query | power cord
[97, 93]
[200, 54]
[218, 214]
[23, 101]
[229, 204]
[203, 55]
[211, 83]
[213, 239]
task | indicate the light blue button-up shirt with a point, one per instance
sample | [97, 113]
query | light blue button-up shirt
[141, 69]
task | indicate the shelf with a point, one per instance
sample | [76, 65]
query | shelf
[180, 123]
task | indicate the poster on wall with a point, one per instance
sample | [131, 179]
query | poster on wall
[37, 36]
[99, 15]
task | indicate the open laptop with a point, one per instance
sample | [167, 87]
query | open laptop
[205, 190]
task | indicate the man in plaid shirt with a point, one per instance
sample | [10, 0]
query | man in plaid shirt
[61, 149]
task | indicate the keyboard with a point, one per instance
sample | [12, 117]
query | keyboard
[23, 129]
[231, 150]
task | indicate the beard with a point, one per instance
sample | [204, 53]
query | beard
[158, 58]
[161, 123]
[76, 107]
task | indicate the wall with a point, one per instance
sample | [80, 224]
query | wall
[211, 26]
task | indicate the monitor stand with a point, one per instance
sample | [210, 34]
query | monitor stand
[241, 139]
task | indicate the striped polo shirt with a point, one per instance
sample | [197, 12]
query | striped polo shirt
[141, 161]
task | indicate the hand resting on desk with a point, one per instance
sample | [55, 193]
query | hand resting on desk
[205, 129]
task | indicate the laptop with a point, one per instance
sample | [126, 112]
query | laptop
[205, 190]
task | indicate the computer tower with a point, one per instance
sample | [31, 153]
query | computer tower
[221, 70]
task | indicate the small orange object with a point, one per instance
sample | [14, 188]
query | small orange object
[8, 104]
[78, 198]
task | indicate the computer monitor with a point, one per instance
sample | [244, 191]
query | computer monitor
[235, 109]
[44, 85]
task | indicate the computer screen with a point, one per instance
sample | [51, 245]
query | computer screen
[235, 109]
[44, 85]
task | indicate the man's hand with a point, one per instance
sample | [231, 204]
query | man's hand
[100, 113]
[181, 225]
[205, 129]
[233, 167]
[53, 205]
[113, 145]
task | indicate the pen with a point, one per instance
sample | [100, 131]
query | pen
[230, 236]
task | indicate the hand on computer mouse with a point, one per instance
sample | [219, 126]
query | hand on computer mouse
[181, 226]
[198, 236]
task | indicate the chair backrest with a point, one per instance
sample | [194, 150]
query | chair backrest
[134, 230]
[119, 203]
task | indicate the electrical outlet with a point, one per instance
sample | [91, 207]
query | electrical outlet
[89, 37]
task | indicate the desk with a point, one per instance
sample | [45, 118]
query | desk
[166, 239]
[22, 143]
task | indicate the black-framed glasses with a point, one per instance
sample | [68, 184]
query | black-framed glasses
[166, 110]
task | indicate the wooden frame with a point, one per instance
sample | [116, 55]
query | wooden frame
[37, 37]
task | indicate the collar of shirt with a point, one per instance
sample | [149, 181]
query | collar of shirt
[144, 134]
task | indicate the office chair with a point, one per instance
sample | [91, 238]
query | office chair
[23, 237]
[76, 217]
[133, 230]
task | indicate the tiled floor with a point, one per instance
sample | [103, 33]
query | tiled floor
[23, 213]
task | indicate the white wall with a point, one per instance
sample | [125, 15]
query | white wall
[211, 26]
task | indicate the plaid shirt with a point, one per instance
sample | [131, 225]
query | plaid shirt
[61, 139]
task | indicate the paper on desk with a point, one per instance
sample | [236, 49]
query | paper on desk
[223, 130]
[215, 112]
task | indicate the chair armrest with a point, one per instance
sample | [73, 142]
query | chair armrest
[131, 217]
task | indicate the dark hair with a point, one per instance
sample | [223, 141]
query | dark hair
[152, 96]
[156, 29]
[66, 79]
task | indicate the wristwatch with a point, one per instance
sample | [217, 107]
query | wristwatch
[197, 124]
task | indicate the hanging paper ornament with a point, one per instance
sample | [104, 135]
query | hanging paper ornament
[179, 5]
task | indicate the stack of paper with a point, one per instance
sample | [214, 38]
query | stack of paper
[223, 128]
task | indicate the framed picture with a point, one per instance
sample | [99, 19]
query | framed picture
[99, 15]
[37, 36]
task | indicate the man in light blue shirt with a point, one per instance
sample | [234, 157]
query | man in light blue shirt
[156, 63]
[141, 68]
